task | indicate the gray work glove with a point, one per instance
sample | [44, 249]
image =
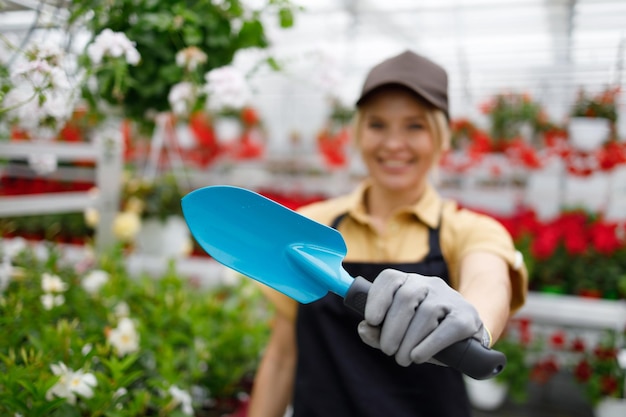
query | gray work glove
[414, 317]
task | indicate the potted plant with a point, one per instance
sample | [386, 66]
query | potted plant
[163, 44]
[155, 204]
[84, 338]
[602, 372]
[513, 116]
[593, 119]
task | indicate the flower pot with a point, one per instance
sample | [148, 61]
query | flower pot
[486, 395]
[588, 133]
[610, 407]
[169, 238]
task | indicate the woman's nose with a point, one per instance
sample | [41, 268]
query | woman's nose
[395, 138]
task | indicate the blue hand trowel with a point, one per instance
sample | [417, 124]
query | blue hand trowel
[298, 257]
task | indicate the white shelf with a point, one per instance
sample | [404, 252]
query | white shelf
[47, 203]
[571, 311]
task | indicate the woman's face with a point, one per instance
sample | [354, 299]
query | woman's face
[395, 142]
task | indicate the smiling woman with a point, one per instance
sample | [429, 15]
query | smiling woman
[439, 274]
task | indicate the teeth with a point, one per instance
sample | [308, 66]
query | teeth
[394, 164]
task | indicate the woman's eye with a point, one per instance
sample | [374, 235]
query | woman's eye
[375, 125]
[416, 126]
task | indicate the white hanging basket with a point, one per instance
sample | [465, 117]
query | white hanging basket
[487, 394]
[611, 407]
[588, 133]
[168, 238]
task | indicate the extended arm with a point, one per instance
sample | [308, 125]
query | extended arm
[413, 317]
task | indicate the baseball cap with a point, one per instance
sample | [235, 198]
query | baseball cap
[415, 72]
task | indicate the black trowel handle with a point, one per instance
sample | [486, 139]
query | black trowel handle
[468, 356]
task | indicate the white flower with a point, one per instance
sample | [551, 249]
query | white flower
[86, 349]
[82, 383]
[43, 164]
[6, 270]
[121, 309]
[120, 392]
[126, 225]
[61, 388]
[42, 98]
[71, 383]
[52, 283]
[183, 398]
[12, 247]
[124, 338]
[109, 136]
[182, 97]
[190, 57]
[226, 88]
[50, 301]
[114, 45]
[95, 280]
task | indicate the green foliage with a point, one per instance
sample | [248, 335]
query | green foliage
[190, 337]
[603, 104]
[159, 198]
[160, 29]
[508, 113]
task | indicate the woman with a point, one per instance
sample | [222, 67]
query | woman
[440, 274]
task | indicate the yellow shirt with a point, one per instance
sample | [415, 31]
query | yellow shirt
[406, 238]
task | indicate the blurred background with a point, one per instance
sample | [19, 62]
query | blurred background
[111, 111]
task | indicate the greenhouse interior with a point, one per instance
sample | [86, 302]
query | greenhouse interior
[169, 168]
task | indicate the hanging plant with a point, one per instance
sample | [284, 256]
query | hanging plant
[159, 30]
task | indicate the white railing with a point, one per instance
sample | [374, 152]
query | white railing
[107, 156]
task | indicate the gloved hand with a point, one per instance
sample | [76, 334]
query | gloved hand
[414, 317]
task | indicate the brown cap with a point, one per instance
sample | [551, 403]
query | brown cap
[415, 72]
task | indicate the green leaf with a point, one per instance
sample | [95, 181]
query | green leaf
[285, 16]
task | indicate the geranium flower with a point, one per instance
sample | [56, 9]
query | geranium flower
[604, 237]
[190, 57]
[557, 340]
[545, 242]
[114, 45]
[226, 88]
[583, 371]
[43, 164]
[124, 338]
[575, 242]
[182, 97]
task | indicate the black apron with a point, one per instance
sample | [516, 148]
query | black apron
[339, 376]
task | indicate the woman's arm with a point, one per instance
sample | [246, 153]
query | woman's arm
[273, 383]
[485, 283]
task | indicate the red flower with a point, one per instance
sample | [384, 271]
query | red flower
[583, 371]
[604, 238]
[545, 243]
[578, 345]
[543, 371]
[575, 243]
[608, 385]
[605, 353]
[249, 116]
[557, 340]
